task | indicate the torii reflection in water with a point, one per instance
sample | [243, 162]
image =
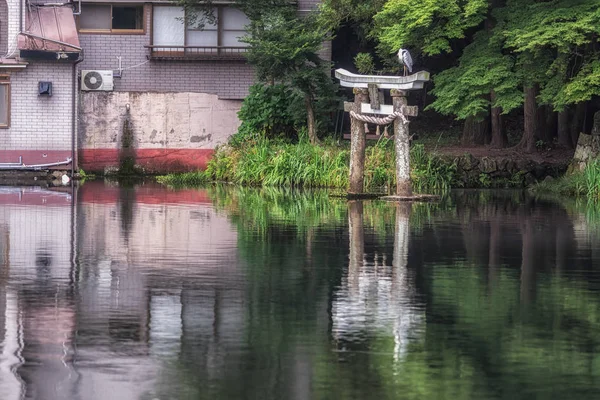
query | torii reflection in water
[376, 297]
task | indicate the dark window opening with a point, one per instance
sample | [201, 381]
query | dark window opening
[100, 18]
[127, 17]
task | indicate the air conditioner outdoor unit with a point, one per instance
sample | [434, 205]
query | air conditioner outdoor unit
[97, 80]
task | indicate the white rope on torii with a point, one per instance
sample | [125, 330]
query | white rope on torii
[380, 121]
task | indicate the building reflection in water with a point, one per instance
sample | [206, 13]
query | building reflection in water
[36, 297]
[92, 290]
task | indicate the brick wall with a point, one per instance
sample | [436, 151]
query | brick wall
[227, 79]
[3, 27]
[39, 122]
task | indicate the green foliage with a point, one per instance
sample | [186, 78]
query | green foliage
[357, 13]
[568, 185]
[268, 109]
[592, 180]
[283, 48]
[429, 172]
[531, 25]
[85, 176]
[582, 87]
[428, 25]
[194, 178]
[281, 44]
[364, 63]
[464, 90]
[485, 181]
[501, 47]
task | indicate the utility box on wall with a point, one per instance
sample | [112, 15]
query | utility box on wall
[45, 88]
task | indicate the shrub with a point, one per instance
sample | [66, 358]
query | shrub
[268, 110]
[364, 63]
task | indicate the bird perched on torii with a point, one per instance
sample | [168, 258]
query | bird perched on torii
[405, 60]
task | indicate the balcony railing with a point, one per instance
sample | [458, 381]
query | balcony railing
[161, 52]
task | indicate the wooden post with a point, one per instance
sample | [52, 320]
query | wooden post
[358, 142]
[401, 141]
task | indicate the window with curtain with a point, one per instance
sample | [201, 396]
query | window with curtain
[169, 30]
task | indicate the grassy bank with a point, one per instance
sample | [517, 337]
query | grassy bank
[278, 163]
[578, 184]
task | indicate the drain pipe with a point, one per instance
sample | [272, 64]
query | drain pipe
[74, 111]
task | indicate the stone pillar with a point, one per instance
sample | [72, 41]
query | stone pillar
[358, 142]
[402, 145]
[357, 243]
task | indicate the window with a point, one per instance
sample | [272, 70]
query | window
[4, 101]
[108, 18]
[171, 37]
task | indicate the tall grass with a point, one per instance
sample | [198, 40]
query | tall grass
[577, 184]
[592, 179]
[278, 163]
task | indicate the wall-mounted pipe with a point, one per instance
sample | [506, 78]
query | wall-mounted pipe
[74, 112]
[34, 166]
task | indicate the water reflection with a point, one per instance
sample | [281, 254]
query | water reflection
[376, 296]
[138, 292]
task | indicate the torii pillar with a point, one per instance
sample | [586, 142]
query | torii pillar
[402, 145]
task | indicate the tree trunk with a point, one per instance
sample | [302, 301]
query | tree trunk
[541, 131]
[564, 137]
[475, 131]
[499, 138]
[530, 109]
[527, 262]
[551, 123]
[577, 122]
[310, 120]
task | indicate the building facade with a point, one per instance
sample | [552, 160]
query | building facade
[36, 126]
[143, 82]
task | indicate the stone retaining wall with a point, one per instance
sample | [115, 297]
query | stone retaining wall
[486, 172]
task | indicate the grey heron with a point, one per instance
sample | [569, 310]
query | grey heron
[405, 60]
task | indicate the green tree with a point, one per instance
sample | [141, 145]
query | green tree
[546, 50]
[284, 48]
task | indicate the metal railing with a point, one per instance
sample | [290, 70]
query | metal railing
[160, 52]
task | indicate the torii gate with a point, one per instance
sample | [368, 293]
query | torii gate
[368, 87]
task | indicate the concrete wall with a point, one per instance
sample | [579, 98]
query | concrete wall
[171, 131]
[40, 126]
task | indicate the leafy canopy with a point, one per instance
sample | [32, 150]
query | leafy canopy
[429, 25]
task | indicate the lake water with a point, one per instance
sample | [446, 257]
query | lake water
[140, 292]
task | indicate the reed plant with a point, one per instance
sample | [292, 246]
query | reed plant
[585, 183]
[263, 162]
[592, 179]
